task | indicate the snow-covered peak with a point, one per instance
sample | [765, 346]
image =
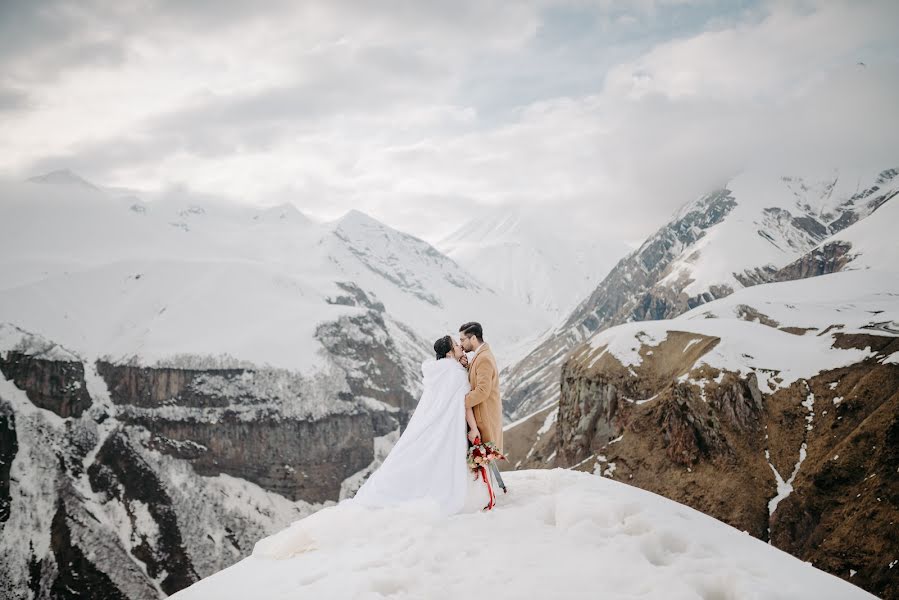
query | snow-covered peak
[286, 212]
[557, 533]
[63, 177]
[774, 220]
[498, 224]
[412, 264]
[187, 275]
[357, 219]
[545, 261]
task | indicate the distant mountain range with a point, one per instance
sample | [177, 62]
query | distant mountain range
[732, 238]
[534, 256]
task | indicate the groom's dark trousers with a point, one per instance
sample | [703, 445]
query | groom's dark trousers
[496, 475]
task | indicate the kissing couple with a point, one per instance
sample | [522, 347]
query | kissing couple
[459, 415]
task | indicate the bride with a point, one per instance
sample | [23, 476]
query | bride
[429, 459]
[428, 463]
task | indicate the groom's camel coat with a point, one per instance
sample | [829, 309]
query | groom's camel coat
[484, 398]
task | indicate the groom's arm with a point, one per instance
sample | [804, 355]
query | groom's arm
[484, 374]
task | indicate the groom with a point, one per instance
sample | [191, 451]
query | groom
[483, 399]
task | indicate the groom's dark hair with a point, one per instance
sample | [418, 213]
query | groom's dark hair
[473, 328]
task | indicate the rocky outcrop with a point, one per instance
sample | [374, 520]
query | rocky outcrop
[301, 460]
[148, 478]
[154, 387]
[811, 467]
[362, 345]
[630, 292]
[250, 424]
[119, 473]
[263, 426]
[829, 258]
[68, 572]
[52, 384]
[8, 448]
[365, 348]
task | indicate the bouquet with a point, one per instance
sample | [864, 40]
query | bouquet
[479, 456]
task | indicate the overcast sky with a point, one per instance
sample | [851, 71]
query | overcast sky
[425, 113]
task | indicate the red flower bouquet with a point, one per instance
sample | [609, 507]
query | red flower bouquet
[479, 456]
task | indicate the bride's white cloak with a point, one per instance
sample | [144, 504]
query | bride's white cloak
[428, 461]
[425, 470]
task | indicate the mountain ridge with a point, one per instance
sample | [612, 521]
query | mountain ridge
[717, 243]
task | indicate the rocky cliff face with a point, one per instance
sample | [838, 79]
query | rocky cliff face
[57, 385]
[129, 481]
[233, 421]
[829, 258]
[775, 415]
[825, 493]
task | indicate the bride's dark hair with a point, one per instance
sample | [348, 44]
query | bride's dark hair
[443, 346]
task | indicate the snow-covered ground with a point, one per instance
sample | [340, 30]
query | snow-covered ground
[556, 534]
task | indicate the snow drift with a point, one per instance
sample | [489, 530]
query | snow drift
[557, 533]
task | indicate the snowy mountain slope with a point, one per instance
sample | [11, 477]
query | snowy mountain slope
[189, 278]
[774, 221]
[557, 533]
[537, 258]
[430, 290]
[63, 177]
[759, 328]
[870, 243]
[733, 238]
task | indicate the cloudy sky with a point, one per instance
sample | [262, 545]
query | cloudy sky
[425, 113]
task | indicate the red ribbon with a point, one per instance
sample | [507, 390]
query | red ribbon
[486, 478]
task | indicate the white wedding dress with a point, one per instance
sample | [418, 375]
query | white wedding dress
[425, 471]
[429, 459]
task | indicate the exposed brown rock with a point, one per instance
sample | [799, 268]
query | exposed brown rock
[152, 387]
[523, 438]
[301, 460]
[705, 446]
[829, 258]
[52, 384]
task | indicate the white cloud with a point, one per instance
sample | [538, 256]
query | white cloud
[423, 112]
